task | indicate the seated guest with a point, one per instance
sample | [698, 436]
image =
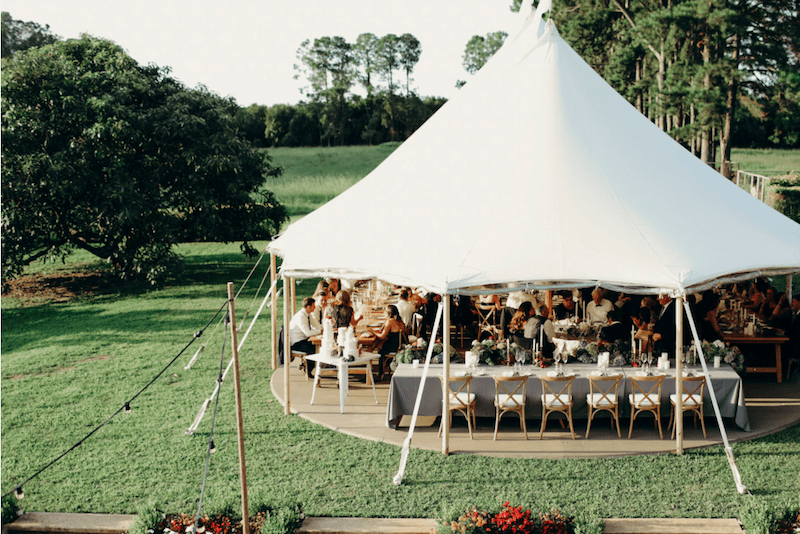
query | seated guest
[341, 312]
[517, 326]
[707, 317]
[334, 286]
[644, 332]
[302, 326]
[567, 309]
[548, 345]
[598, 309]
[781, 312]
[405, 307]
[768, 304]
[616, 329]
[515, 298]
[321, 297]
[390, 337]
[756, 298]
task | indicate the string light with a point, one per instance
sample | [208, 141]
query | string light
[18, 493]
[127, 407]
[211, 447]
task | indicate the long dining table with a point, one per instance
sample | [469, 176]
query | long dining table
[405, 384]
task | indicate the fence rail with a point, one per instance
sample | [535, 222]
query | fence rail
[755, 184]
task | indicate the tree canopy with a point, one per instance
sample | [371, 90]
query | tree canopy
[19, 35]
[105, 155]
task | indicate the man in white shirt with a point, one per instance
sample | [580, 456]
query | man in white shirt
[406, 308]
[304, 325]
[598, 309]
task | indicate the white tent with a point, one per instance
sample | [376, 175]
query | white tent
[538, 174]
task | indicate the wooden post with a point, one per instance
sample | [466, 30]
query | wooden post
[293, 285]
[274, 311]
[679, 375]
[239, 420]
[446, 373]
[287, 345]
[549, 301]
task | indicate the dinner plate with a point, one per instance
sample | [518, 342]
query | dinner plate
[509, 373]
[460, 373]
[654, 373]
[554, 373]
[479, 373]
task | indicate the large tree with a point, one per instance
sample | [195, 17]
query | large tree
[120, 160]
[479, 49]
[19, 35]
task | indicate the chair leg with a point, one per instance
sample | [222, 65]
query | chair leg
[658, 421]
[523, 425]
[469, 423]
[569, 416]
[616, 418]
[633, 418]
[589, 423]
[496, 422]
[545, 413]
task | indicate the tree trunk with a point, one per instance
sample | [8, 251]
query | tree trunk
[725, 138]
[705, 142]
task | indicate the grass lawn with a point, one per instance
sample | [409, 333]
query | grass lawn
[75, 349]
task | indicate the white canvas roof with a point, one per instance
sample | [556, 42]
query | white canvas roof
[538, 174]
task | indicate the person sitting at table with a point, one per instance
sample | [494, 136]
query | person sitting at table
[302, 326]
[516, 328]
[780, 313]
[756, 298]
[768, 304]
[334, 286]
[405, 307]
[515, 298]
[598, 309]
[321, 297]
[644, 331]
[708, 326]
[390, 337]
[567, 308]
[341, 312]
[546, 325]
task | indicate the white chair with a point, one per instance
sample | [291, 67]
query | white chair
[646, 397]
[557, 397]
[509, 396]
[693, 389]
[461, 400]
[603, 396]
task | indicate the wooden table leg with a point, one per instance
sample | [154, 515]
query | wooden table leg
[778, 364]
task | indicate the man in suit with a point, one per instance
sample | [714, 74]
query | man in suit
[664, 329]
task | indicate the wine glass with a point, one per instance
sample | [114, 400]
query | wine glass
[557, 360]
[649, 361]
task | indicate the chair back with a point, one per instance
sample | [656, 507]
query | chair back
[603, 389]
[649, 387]
[460, 388]
[693, 388]
[416, 324]
[486, 317]
[511, 386]
[560, 387]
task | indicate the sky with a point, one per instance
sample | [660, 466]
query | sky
[246, 49]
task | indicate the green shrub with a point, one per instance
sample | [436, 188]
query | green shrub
[10, 508]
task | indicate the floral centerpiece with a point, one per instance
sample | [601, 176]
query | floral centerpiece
[730, 355]
[525, 356]
[587, 352]
[418, 351]
[490, 352]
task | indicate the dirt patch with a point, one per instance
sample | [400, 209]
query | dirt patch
[61, 286]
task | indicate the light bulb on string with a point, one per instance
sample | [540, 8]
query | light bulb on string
[18, 493]
[127, 407]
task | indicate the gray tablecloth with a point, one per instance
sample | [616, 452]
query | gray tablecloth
[405, 383]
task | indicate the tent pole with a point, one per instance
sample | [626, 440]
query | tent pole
[293, 284]
[679, 375]
[737, 478]
[287, 347]
[446, 381]
[274, 312]
[239, 420]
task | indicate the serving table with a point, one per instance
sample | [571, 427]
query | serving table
[777, 341]
[405, 383]
[342, 373]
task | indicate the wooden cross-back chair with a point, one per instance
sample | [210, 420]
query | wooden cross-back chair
[487, 319]
[557, 398]
[693, 389]
[461, 399]
[603, 396]
[646, 397]
[509, 396]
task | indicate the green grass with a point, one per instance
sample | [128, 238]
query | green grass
[313, 176]
[67, 366]
[766, 161]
